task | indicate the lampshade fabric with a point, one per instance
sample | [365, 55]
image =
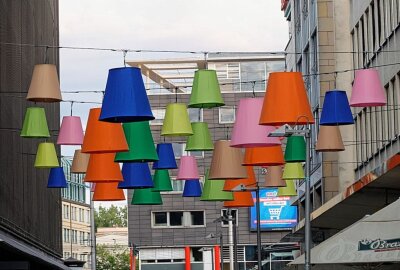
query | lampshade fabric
[35, 124]
[44, 86]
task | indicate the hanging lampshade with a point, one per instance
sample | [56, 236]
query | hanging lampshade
[295, 149]
[71, 132]
[45, 86]
[136, 175]
[286, 100]
[288, 191]
[240, 199]
[146, 196]
[205, 90]
[80, 162]
[249, 181]
[192, 188]
[336, 109]
[226, 162]
[125, 98]
[188, 169]
[103, 137]
[46, 156]
[108, 192]
[140, 142]
[201, 138]
[247, 132]
[162, 181]
[263, 156]
[273, 178]
[329, 139]
[57, 178]
[213, 190]
[35, 124]
[176, 121]
[367, 89]
[293, 171]
[166, 157]
[102, 168]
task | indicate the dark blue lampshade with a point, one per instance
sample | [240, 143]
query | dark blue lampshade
[57, 178]
[192, 188]
[136, 175]
[166, 157]
[125, 98]
[336, 109]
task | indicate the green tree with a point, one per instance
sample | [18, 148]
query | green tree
[108, 260]
[113, 216]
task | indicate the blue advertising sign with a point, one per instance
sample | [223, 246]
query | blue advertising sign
[276, 213]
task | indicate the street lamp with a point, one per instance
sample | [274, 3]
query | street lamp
[221, 244]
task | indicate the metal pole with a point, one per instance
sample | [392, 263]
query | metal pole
[235, 256]
[230, 239]
[92, 232]
[258, 227]
[307, 226]
[221, 242]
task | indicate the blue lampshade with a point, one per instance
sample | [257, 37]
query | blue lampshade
[136, 175]
[125, 98]
[57, 178]
[336, 109]
[192, 188]
[166, 157]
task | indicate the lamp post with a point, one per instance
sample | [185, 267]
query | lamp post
[221, 244]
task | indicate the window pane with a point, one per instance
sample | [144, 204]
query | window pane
[160, 219]
[195, 153]
[197, 254]
[175, 218]
[195, 114]
[197, 218]
[177, 185]
[178, 149]
[159, 115]
[226, 115]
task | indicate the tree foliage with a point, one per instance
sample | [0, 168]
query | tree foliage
[113, 216]
[109, 260]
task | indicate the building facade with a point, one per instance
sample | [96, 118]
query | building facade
[30, 213]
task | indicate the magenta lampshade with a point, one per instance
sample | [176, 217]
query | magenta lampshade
[188, 169]
[247, 132]
[367, 89]
[71, 132]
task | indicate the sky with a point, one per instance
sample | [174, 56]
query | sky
[195, 25]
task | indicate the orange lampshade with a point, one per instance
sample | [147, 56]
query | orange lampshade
[286, 100]
[264, 156]
[108, 192]
[240, 199]
[102, 168]
[103, 137]
[248, 182]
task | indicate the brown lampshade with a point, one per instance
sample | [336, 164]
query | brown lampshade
[226, 162]
[273, 178]
[329, 139]
[249, 181]
[264, 156]
[45, 86]
[80, 162]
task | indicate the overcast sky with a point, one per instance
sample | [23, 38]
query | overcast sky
[194, 25]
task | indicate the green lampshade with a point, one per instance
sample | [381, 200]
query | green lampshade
[35, 124]
[293, 171]
[201, 138]
[46, 156]
[289, 190]
[162, 181]
[205, 90]
[213, 190]
[295, 149]
[146, 196]
[176, 121]
[140, 142]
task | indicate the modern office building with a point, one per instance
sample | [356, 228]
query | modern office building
[30, 213]
[161, 233]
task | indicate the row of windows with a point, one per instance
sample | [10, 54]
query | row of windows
[75, 192]
[82, 257]
[75, 236]
[76, 213]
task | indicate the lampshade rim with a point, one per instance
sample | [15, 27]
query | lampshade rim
[136, 160]
[330, 150]
[199, 148]
[206, 105]
[281, 123]
[126, 119]
[367, 104]
[264, 164]
[176, 134]
[46, 100]
[89, 151]
[164, 168]
[34, 136]
[133, 187]
[252, 145]
[103, 181]
[331, 123]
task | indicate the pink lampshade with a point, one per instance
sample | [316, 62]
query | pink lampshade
[188, 169]
[247, 132]
[71, 132]
[367, 89]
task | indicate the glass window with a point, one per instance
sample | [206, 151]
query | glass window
[179, 149]
[176, 218]
[197, 254]
[159, 115]
[160, 218]
[226, 115]
[178, 185]
[224, 213]
[197, 218]
[195, 114]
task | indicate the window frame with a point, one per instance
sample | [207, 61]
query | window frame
[220, 118]
[186, 217]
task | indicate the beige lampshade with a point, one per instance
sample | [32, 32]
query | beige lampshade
[273, 178]
[80, 162]
[329, 139]
[45, 86]
[226, 162]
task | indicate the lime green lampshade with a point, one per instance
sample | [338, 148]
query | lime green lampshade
[201, 138]
[295, 149]
[35, 123]
[288, 191]
[293, 171]
[46, 156]
[213, 190]
[205, 90]
[176, 121]
[146, 196]
[140, 142]
[162, 181]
